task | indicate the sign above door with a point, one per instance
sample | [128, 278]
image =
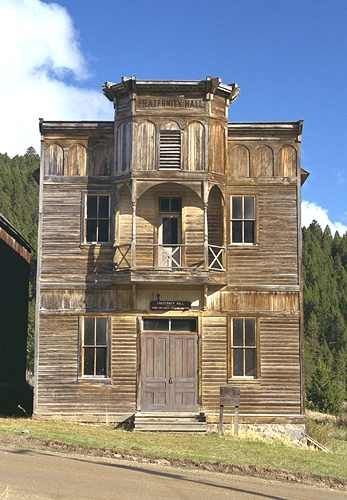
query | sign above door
[169, 305]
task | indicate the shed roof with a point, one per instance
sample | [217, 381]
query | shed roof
[13, 238]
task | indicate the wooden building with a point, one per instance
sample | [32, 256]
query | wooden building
[169, 262]
[15, 256]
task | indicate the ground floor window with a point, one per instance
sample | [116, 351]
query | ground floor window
[243, 347]
[94, 347]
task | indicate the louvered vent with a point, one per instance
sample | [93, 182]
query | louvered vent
[170, 149]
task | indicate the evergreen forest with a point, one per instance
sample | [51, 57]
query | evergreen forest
[325, 285]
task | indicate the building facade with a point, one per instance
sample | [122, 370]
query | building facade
[15, 257]
[169, 261]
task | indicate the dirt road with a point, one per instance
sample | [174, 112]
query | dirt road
[41, 475]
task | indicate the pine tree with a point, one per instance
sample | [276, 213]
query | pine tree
[325, 313]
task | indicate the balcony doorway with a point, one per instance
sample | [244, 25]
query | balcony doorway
[170, 233]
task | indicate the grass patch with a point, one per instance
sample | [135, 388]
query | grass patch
[208, 448]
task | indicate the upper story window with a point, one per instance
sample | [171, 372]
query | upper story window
[94, 347]
[170, 149]
[97, 218]
[243, 345]
[243, 221]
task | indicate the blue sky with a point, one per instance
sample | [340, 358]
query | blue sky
[288, 57]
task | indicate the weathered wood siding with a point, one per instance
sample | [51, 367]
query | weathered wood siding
[145, 146]
[61, 390]
[251, 159]
[195, 146]
[123, 146]
[85, 156]
[238, 164]
[213, 360]
[65, 259]
[276, 390]
[217, 143]
[260, 280]
[147, 221]
[274, 258]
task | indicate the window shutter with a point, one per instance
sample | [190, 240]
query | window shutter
[170, 149]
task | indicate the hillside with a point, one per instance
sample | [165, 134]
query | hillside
[325, 291]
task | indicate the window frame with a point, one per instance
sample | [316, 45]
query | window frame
[243, 220]
[179, 132]
[98, 378]
[169, 319]
[170, 198]
[84, 218]
[231, 347]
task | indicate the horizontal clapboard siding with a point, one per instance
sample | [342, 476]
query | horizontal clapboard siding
[62, 392]
[274, 258]
[277, 388]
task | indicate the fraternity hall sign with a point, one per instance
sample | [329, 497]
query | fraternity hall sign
[170, 102]
[169, 305]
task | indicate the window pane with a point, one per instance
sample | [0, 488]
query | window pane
[250, 363]
[175, 204]
[88, 361]
[103, 207]
[156, 324]
[237, 207]
[249, 207]
[249, 232]
[164, 204]
[250, 332]
[238, 362]
[88, 331]
[101, 361]
[101, 325]
[187, 325]
[237, 231]
[91, 230]
[238, 332]
[91, 207]
[103, 231]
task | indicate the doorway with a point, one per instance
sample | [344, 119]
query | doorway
[169, 364]
[170, 236]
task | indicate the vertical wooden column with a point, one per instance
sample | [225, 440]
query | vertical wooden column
[205, 200]
[133, 225]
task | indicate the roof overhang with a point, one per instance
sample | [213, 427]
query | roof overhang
[266, 130]
[46, 127]
[210, 85]
[304, 174]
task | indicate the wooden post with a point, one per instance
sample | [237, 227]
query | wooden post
[236, 421]
[205, 297]
[133, 226]
[205, 199]
[221, 416]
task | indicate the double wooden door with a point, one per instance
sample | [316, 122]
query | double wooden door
[168, 371]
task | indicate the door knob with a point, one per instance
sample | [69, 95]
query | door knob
[170, 380]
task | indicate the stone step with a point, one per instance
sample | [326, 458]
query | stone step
[168, 414]
[170, 422]
[163, 427]
[173, 420]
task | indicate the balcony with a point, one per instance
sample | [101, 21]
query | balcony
[171, 263]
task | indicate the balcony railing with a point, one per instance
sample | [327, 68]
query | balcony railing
[216, 258]
[169, 257]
